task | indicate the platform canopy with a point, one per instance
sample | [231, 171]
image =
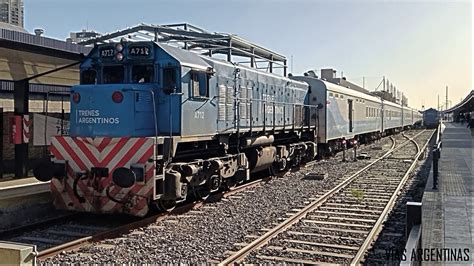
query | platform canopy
[466, 105]
[234, 48]
[25, 56]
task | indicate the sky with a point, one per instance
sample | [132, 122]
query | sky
[419, 46]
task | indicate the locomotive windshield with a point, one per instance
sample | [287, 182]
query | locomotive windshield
[88, 76]
[113, 74]
[142, 73]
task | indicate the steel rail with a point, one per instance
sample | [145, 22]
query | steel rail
[238, 256]
[378, 225]
[123, 229]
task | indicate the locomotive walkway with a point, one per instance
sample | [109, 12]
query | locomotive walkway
[447, 216]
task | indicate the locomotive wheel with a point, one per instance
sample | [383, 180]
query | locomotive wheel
[230, 183]
[201, 192]
[166, 205]
[215, 182]
[278, 168]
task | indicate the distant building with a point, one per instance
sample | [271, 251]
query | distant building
[84, 35]
[11, 12]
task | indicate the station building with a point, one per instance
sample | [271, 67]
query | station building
[36, 74]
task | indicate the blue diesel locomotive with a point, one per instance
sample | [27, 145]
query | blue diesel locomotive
[155, 124]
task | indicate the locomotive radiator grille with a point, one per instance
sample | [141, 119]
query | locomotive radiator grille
[229, 107]
[222, 103]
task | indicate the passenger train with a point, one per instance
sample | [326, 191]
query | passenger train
[347, 114]
[153, 125]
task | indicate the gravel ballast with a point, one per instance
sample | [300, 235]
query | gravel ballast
[207, 234]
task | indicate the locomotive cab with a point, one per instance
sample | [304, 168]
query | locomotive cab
[123, 89]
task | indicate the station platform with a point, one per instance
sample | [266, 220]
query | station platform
[447, 212]
[23, 201]
[22, 187]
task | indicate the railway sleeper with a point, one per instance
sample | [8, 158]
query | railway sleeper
[345, 214]
[350, 209]
[289, 260]
[337, 224]
[320, 235]
[341, 218]
[362, 207]
[351, 200]
[331, 229]
[365, 196]
[322, 245]
[304, 251]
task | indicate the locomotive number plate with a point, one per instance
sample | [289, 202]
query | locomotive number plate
[107, 52]
[139, 51]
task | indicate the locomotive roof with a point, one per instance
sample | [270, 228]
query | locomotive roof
[185, 58]
[200, 62]
[250, 69]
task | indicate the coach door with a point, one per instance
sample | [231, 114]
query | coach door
[349, 103]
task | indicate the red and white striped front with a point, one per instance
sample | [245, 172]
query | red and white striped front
[81, 154]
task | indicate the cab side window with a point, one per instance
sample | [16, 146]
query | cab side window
[199, 83]
[169, 79]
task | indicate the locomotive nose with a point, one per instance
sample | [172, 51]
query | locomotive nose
[112, 111]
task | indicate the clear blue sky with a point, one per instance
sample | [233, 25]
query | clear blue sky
[420, 46]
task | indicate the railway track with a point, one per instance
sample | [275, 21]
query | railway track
[69, 232]
[339, 226]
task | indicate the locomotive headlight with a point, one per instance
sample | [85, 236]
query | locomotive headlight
[119, 56]
[119, 47]
[123, 177]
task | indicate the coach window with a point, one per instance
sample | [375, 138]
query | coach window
[112, 74]
[199, 83]
[88, 76]
[330, 94]
[142, 73]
